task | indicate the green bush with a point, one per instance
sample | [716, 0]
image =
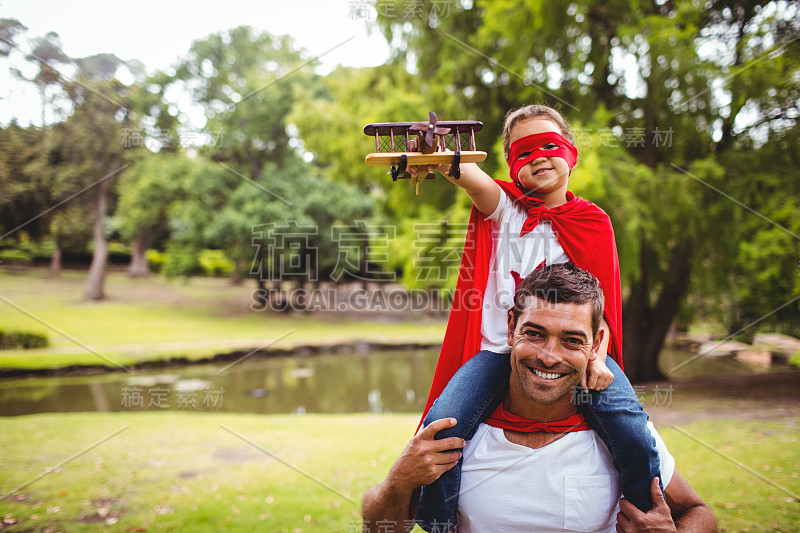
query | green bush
[37, 250]
[794, 360]
[119, 253]
[12, 340]
[180, 262]
[13, 255]
[214, 263]
[177, 261]
[155, 260]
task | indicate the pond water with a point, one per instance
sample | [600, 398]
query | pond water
[384, 381]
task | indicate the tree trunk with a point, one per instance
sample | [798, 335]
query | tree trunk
[55, 259]
[644, 326]
[650, 153]
[95, 285]
[138, 267]
[236, 277]
[259, 268]
[363, 266]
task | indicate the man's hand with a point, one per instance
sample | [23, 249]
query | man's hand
[425, 458]
[657, 520]
[391, 505]
[597, 375]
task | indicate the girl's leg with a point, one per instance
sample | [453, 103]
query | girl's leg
[472, 394]
[618, 418]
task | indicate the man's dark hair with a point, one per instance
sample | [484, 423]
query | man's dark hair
[561, 283]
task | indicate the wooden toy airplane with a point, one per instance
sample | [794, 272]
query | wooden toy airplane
[400, 144]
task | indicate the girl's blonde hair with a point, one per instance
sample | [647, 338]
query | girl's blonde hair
[532, 111]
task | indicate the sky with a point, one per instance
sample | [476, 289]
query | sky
[157, 33]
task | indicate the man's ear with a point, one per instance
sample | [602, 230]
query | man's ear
[511, 325]
[598, 341]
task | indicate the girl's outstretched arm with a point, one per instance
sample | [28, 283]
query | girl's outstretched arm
[481, 188]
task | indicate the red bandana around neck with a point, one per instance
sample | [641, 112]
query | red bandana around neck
[506, 420]
[532, 145]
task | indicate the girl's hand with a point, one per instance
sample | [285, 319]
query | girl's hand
[425, 169]
[597, 376]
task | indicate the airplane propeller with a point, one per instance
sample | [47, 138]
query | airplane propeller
[430, 129]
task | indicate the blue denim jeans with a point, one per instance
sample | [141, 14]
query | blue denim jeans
[481, 384]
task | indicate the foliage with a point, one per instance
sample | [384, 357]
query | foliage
[12, 256]
[676, 92]
[352, 98]
[155, 260]
[23, 189]
[214, 263]
[146, 191]
[180, 261]
[246, 81]
[13, 340]
[685, 115]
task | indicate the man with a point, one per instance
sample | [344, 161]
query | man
[538, 478]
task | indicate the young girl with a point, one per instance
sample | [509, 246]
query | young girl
[515, 227]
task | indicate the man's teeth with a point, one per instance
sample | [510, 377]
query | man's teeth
[545, 375]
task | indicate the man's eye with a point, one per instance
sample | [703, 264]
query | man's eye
[550, 146]
[532, 333]
[574, 341]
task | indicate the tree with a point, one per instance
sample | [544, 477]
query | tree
[147, 191]
[693, 73]
[246, 81]
[49, 56]
[249, 82]
[221, 210]
[330, 121]
[20, 197]
[90, 141]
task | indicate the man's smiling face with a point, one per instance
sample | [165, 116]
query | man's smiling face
[550, 348]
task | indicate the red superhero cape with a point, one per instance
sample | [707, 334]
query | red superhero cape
[583, 230]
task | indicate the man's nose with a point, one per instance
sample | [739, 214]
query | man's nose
[549, 355]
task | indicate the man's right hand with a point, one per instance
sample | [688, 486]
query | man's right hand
[425, 458]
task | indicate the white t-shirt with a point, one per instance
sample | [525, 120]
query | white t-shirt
[512, 252]
[568, 485]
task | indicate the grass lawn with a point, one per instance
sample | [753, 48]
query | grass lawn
[187, 472]
[151, 319]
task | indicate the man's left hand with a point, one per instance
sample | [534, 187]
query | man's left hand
[657, 520]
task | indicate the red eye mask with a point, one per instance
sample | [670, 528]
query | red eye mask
[533, 146]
